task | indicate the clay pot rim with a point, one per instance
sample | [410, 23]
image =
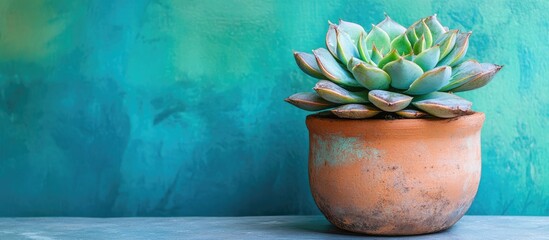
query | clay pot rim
[319, 117]
[411, 127]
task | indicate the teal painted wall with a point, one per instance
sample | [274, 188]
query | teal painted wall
[125, 108]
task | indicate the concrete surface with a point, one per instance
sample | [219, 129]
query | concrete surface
[270, 227]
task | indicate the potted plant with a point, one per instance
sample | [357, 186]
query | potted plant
[397, 153]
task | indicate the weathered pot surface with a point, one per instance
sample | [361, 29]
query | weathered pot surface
[394, 177]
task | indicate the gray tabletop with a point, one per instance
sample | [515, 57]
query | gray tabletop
[269, 227]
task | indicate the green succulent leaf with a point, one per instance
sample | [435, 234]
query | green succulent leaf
[363, 49]
[391, 56]
[420, 45]
[309, 101]
[346, 49]
[470, 66]
[353, 89]
[423, 29]
[430, 81]
[376, 55]
[409, 56]
[332, 70]
[392, 28]
[443, 105]
[331, 39]
[402, 72]
[410, 71]
[336, 94]
[380, 38]
[389, 101]
[411, 113]
[371, 77]
[355, 111]
[462, 74]
[434, 25]
[488, 71]
[353, 62]
[352, 29]
[412, 35]
[458, 52]
[447, 42]
[307, 63]
[402, 44]
[428, 59]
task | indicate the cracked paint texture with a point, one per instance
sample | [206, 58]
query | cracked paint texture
[174, 108]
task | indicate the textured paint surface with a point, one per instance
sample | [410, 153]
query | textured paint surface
[124, 108]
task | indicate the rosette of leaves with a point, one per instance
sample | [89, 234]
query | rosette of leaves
[411, 72]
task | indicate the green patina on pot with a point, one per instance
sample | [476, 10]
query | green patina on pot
[335, 150]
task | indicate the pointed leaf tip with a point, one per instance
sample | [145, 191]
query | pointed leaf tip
[380, 38]
[307, 63]
[423, 29]
[486, 75]
[346, 49]
[363, 48]
[391, 56]
[309, 101]
[420, 45]
[331, 39]
[412, 35]
[443, 105]
[402, 44]
[392, 28]
[353, 62]
[352, 29]
[458, 52]
[435, 26]
[447, 42]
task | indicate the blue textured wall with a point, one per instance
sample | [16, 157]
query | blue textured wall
[111, 108]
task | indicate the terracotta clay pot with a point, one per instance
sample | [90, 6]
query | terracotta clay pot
[394, 177]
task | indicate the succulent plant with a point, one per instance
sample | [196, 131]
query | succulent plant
[411, 72]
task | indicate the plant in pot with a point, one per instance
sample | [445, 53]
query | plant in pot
[393, 151]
